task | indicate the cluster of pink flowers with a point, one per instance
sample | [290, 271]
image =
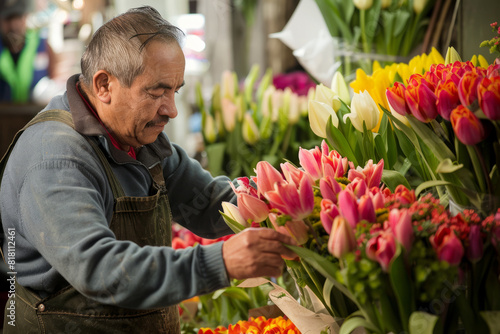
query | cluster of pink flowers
[356, 213]
[183, 238]
[454, 92]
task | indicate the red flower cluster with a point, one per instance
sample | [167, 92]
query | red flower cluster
[455, 92]
[183, 238]
[260, 325]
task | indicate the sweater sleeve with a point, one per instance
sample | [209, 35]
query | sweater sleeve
[56, 199]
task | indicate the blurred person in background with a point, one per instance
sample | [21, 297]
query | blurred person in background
[25, 56]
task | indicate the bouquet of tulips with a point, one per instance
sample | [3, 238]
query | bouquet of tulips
[258, 121]
[383, 260]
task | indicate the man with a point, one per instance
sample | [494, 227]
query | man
[25, 57]
[90, 208]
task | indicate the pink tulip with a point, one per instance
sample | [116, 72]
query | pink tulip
[447, 98]
[328, 213]
[489, 97]
[396, 98]
[401, 226]
[358, 187]
[244, 187]
[348, 207]
[267, 176]
[467, 126]
[342, 239]
[421, 100]
[252, 208]
[381, 248]
[372, 174]
[328, 186]
[377, 199]
[475, 249]
[467, 88]
[310, 160]
[295, 175]
[296, 229]
[367, 209]
[334, 160]
[298, 203]
[447, 245]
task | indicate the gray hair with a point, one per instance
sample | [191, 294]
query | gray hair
[117, 46]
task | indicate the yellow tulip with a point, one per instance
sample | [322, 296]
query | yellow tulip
[363, 109]
[319, 113]
[419, 5]
[386, 3]
[209, 129]
[294, 109]
[267, 101]
[228, 88]
[482, 61]
[363, 4]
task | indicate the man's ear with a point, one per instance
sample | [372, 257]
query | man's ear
[100, 86]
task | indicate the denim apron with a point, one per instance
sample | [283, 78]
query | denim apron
[143, 220]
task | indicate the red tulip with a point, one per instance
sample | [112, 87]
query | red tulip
[447, 98]
[475, 248]
[342, 239]
[252, 208]
[489, 97]
[421, 99]
[328, 213]
[447, 245]
[396, 98]
[381, 248]
[348, 207]
[244, 187]
[267, 176]
[310, 160]
[404, 195]
[467, 88]
[401, 226]
[298, 203]
[467, 126]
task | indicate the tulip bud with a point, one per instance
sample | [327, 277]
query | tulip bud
[294, 109]
[329, 212]
[348, 207]
[209, 128]
[296, 229]
[367, 209]
[363, 109]
[319, 113]
[310, 160]
[229, 111]
[396, 98]
[267, 177]
[447, 245]
[228, 88]
[386, 3]
[419, 5]
[252, 208]
[363, 4]
[401, 226]
[467, 88]
[447, 98]
[233, 212]
[342, 239]
[266, 105]
[382, 249]
[327, 96]
[421, 100]
[467, 126]
[339, 87]
[250, 131]
[451, 56]
[475, 249]
[489, 97]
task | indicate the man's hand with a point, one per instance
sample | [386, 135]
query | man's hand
[256, 252]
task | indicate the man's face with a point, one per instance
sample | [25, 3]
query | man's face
[137, 115]
[13, 31]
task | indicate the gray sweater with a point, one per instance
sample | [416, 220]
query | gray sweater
[56, 196]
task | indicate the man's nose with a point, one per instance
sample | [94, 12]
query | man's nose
[168, 109]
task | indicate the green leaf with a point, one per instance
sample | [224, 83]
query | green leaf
[392, 179]
[429, 137]
[250, 82]
[402, 286]
[337, 140]
[422, 323]
[381, 149]
[492, 318]
[323, 266]
[327, 291]
[351, 324]
[233, 224]
[429, 184]
[447, 166]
